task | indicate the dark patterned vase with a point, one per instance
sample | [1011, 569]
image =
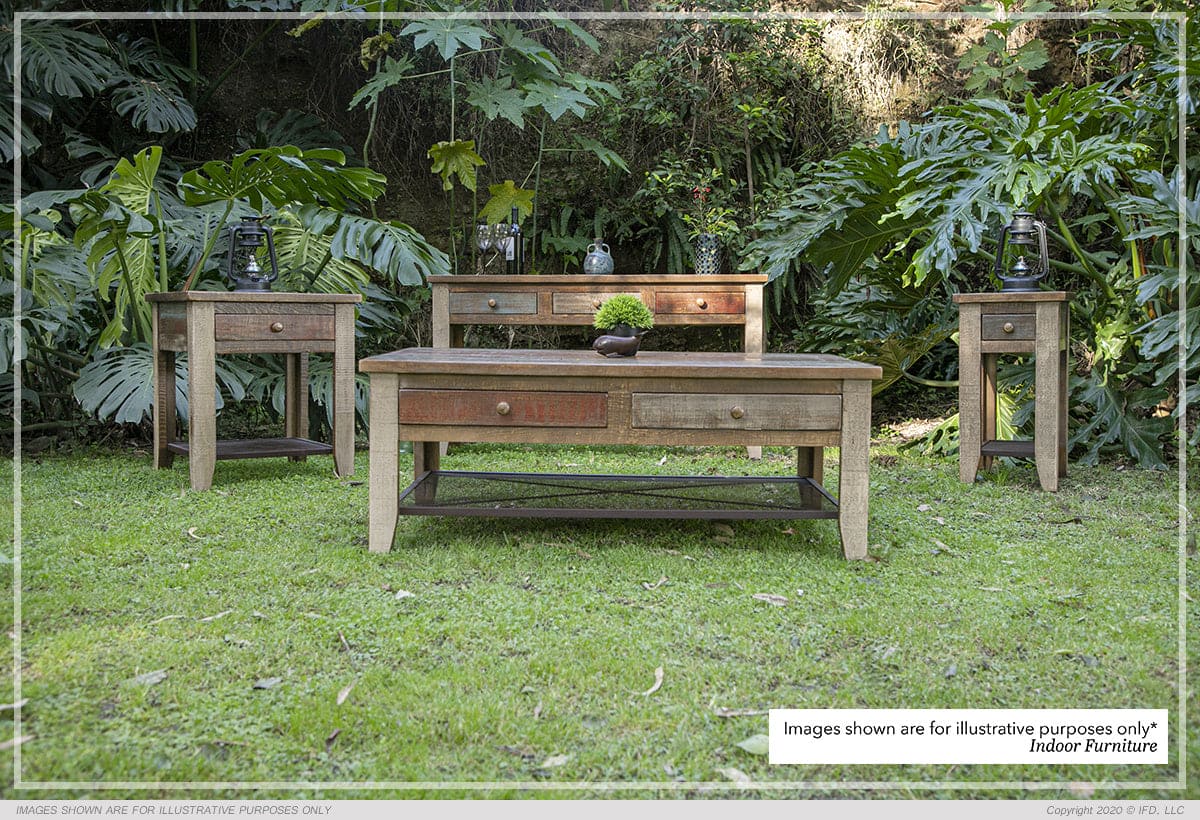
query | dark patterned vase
[707, 251]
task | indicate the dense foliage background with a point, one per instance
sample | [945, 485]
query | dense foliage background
[865, 165]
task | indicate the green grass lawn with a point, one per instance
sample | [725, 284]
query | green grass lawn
[523, 652]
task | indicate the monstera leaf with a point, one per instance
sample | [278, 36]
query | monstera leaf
[279, 175]
[63, 61]
[119, 384]
[394, 249]
[505, 197]
[157, 106]
[455, 159]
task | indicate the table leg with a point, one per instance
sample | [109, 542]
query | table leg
[1064, 390]
[753, 341]
[854, 467]
[384, 470]
[1046, 397]
[970, 392]
[988, 410]
[202, 395]
[426, 458]
[810, 463]
[295, 398]
[165, 421]
[343, 390]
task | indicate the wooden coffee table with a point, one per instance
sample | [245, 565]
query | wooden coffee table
[428, 395]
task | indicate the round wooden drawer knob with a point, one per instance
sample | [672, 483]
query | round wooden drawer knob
[1008, 327]
[277, 327]
[503, 408]
[596, 304]
[700, 303]
[491, 303]
[737, 412]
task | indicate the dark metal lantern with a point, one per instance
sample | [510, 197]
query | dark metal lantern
[244, 241]
[1022, 232]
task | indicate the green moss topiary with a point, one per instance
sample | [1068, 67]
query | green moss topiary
[623, 309]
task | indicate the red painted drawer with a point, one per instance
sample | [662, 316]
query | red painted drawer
[504, 408]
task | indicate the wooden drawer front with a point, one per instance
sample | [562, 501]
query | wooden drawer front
[504, 408]
[753, 411]
[999, 326]
[282, 327]
[723, 302]
[584, 304]
[499, 303]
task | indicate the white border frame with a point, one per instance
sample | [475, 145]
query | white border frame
[1179, 18]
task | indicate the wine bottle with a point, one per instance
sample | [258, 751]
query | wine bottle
[514, 254]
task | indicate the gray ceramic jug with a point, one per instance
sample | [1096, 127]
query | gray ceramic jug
[598, 259]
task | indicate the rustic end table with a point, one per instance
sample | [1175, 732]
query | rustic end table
[428, 395]
[990, 324]
[204, 324]
[676, 300]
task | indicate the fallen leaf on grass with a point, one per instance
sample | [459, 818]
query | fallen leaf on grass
[192, 534]
[755, 744]
[537, 710]
[952, 670]
[513, 750]
[76, 502]
[923, 508]
[329, 740]
[736, 775]
[16, 741]
[164, 618]
[214, 617]
[662, 580]
[658, 682]
[937, 519]
[404, 593]
[150, 678]
[775, 600]
[556, 760]
[990, 589]
[5, 707]
[267, 683]
[724, 712]
[724, 529]
[345, 693]
[662, 461]
[789, 531]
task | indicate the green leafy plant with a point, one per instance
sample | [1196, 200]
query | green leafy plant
[706, 215]
[913, 216]
[623, 309]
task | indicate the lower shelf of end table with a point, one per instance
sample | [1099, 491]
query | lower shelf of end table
[260, 448]
[555, 495]
[1012, 448]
